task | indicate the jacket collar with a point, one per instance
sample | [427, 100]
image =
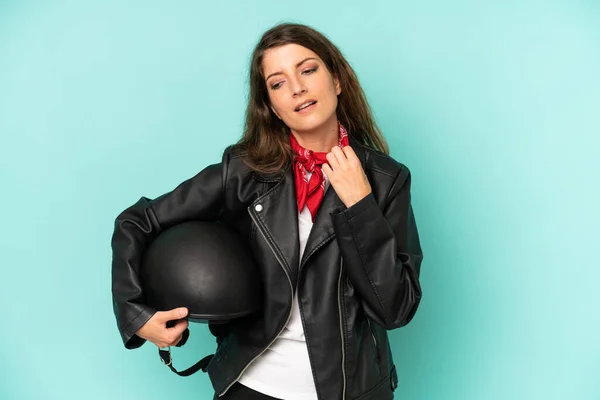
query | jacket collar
[322, 230]
[278, 217]
[277, 177]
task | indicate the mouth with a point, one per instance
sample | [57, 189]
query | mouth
[306, 106]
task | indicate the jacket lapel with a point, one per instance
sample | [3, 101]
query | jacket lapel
[276, 215]
[322, 230]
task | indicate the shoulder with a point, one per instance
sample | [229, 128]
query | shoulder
[232, 153]
[237, 167]
[378, 163]
[233, 160]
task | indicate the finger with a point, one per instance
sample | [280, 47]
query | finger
[327, 171]
[349, 152]
[333, 161]
[178, 328]
[351, 157]
[176, 313]
[177, 340]
[339, 154]
[176, 332]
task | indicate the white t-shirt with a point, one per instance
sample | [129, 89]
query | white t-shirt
[283, 371]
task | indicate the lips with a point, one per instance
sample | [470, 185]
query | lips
[305, 105]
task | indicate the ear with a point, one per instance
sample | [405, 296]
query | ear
[338, 86]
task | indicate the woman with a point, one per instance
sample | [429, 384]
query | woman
[328, 215]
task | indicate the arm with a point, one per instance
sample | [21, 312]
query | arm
[382, 253]
[199, 198]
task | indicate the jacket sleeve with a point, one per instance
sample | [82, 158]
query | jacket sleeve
[382, 253]
[198, 198]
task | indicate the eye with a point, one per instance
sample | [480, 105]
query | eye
[310, 71]
[276, 86]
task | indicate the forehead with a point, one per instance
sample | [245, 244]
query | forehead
[283, 57]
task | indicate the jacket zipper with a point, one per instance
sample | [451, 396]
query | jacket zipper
[342, 332]
[291, 307]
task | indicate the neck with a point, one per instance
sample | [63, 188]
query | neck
[320, 139]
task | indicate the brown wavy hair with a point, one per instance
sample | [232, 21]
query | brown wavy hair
[266, 138]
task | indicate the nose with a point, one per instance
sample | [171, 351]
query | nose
[298, 87]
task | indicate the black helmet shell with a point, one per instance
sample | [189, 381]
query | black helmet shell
[204, 266]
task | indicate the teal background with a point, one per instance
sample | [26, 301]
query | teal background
[493, 105]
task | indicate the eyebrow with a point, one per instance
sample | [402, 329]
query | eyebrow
[297, 65]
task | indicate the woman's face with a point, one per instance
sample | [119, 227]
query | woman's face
[296, 77]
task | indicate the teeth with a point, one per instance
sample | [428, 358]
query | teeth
[306, 105]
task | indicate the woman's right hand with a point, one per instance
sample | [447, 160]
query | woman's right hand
[156, 330]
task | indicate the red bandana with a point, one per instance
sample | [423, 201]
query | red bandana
[311, 192]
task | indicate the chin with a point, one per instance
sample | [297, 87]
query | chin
[309, 124]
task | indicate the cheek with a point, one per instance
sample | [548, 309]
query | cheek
[329, 90]
[277, 103]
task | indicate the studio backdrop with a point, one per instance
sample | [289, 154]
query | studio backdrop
[493, 105]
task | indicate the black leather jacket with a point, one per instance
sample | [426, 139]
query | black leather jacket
[359, 276]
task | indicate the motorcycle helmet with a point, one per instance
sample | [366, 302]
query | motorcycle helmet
[204, 266]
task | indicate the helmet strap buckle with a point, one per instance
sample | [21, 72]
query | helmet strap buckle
[165, 355]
